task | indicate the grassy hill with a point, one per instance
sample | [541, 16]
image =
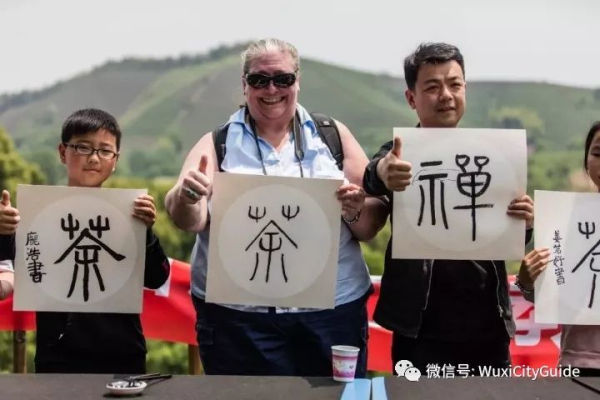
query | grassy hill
[165, 106]
[169, 104]
[566, 113]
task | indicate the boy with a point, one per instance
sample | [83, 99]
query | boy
[100, 343]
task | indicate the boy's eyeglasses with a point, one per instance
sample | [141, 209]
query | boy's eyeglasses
[260, 81]
[86, 150]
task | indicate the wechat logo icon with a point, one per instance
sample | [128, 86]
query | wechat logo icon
[406, 369]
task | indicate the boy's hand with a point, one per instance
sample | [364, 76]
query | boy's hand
[195, 183]
[532, 266]
[522, 208]
[145, 210]
[9, 216]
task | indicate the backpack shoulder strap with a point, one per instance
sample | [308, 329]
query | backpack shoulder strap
[328, 131]
[219, 136]
[326, 128]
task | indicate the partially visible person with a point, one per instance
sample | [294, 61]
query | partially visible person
[8, 224]
[579, 344]
[99, 343]
[6, 279]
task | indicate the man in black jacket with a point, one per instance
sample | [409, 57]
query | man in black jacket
[100, 343]
[441, 312]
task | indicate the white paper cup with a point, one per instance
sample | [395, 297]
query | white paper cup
[343, 360]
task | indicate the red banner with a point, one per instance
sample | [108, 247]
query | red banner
[169, 315]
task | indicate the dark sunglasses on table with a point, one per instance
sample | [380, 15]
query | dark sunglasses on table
[260, 81]
[86, 150]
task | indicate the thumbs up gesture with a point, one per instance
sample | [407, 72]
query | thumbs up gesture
[195, 183]
[9, 216]
[393, 172]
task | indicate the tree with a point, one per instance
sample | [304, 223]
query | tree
[520, 118]
[48, 160]
[374, 250]
[14, 169]
[137, 162]
[163, 160]
[6, 351]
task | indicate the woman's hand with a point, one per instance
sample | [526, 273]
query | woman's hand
[352, 198]
[195, 184]
[532, 266]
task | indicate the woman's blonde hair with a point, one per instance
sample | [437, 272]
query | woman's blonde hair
[265, 46]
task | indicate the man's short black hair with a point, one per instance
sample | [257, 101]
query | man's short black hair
[90, 120]
[430, 53]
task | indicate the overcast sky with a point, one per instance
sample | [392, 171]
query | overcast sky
[42, 41]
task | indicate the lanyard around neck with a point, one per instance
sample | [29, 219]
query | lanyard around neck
[298, 142]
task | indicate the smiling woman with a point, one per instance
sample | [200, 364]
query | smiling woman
[274, 135]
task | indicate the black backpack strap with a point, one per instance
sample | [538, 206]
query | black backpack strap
[328, 131]
[219, 136]
[326, 128]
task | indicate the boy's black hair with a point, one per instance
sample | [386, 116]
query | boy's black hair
[90, 120]
[430, 53]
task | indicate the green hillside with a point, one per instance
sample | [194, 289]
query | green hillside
[565, 113]
[165, 106]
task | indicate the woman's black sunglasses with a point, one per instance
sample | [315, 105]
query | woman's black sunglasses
[260, 81]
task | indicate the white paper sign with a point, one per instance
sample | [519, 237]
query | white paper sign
[273, 241]
[463, 181]
[568, 291]
[79, 250]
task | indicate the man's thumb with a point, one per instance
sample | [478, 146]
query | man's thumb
[203, 164]
[397, 147]
[5, 198]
